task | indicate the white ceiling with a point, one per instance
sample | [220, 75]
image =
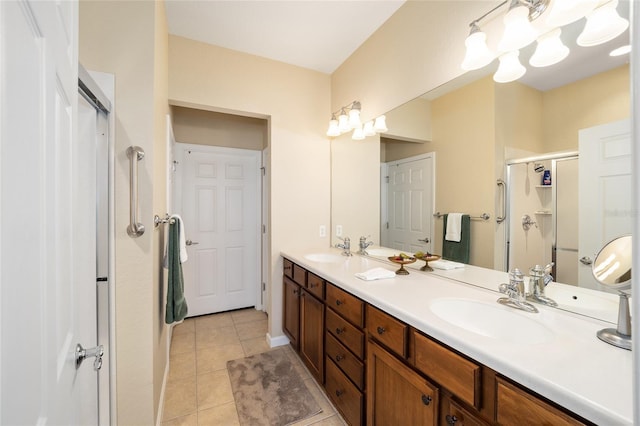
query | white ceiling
[315, 34]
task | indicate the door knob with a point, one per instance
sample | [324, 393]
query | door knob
[425, 240]
[82, 354]
[191, 243]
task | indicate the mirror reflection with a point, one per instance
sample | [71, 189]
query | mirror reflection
[477, 132]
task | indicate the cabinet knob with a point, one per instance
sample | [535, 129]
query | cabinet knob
[313, 285]
[451, 420]
[381, 330]
[340, 330]
[426, 399]
[339, 358]
[296, 291]
[339, 302]
[339, 393]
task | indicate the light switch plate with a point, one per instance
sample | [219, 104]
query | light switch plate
[338, 230]
[323, 231]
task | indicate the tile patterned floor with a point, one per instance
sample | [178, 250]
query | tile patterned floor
[198, 390]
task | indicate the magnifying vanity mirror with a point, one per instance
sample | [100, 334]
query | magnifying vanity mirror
[477, 133]
[612, 268]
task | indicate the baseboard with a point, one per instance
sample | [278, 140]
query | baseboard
[277, 341]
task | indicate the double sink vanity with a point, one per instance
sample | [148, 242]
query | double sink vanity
[437, 348]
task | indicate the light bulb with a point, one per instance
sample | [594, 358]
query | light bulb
[564, 12]
[343, 122]
[368, 128]
[354, 118]
[603, 24]
[478, 54]
[358, 134]
[333, 129]
[380, 125]
[510, 68]
[518, 31]
[550, 50]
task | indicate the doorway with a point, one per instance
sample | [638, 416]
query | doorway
[217, 194]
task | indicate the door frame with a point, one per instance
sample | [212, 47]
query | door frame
[178, 158]
[100, 87]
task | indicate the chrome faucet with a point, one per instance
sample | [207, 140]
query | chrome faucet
[516, 295]
[539, 277]
[345, 246]
[363, 245]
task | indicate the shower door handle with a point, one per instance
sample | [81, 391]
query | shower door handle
[502, 184]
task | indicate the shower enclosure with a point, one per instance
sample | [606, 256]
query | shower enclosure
[542, 214]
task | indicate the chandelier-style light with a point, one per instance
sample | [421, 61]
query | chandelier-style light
[603, 23]
[348, 119]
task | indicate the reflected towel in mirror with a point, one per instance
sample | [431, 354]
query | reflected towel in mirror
[445, 264]
[454, 227]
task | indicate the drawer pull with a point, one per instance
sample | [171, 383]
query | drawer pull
[451, 420]
[339, 393]
[339, 358]
[340, 330]
[296, 291]
[313, 285]
[339, 302]
[381, 330]
[426, 400]
[286, 268]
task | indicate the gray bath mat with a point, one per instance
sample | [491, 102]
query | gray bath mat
[269, 391]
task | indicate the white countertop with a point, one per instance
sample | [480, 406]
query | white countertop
[573, 368]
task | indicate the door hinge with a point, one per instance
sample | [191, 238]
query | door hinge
[102, 279]
[386, 179]
[264, 286]
[264, 229]
[387, 225]
[263, 170]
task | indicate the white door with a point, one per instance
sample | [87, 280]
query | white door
[47, 221]
[219, 199]
[410, 204]
[605, 182]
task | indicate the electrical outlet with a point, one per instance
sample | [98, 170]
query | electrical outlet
[323, 231]
[338, 230]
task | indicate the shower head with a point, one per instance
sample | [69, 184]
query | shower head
[538, 168]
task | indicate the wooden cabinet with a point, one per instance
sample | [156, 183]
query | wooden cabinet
[347, 398]
[397, 395]
[516, 406]
[454, 414]
[387, 330]
[312, 334]
[291, 310]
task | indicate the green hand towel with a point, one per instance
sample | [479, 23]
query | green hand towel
[457, 251]
[176, 303]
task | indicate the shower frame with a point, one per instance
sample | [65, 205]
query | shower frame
[553, 157]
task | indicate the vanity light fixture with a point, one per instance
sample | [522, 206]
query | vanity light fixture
[622, 50]
[603, 24]
[348, 119]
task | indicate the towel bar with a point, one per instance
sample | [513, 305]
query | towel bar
[483, 216]
[135, 229]
[157, 220]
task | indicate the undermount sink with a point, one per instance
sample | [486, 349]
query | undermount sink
[325, 257]
[491, 321]
[379, 251]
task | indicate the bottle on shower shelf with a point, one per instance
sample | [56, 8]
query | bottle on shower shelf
[546, 177]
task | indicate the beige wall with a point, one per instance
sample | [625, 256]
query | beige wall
[410, 121]
[213, 128]
[128, 39]
[297, 104]
[586, 103]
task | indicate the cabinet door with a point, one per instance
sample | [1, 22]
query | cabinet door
[291, 311]
[397, 395]
[312, 334]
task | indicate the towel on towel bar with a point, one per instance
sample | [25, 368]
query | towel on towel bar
[177, 308]
[458, 251]
[454, 227]
[183, 243]
[375, 274]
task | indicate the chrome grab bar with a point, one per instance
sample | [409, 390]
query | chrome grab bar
[501, 219]
[135, 154]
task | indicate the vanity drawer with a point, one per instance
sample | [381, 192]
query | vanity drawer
[387, 330]
[347, 305]
[516, 406]
[459, 375]
[287, 268]
[456, 415]
[315, 285]
[299, 275]
[345, 333]
[347, 398]
[345, 360]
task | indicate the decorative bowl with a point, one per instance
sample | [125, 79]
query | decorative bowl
[402, 261]
[428, 258]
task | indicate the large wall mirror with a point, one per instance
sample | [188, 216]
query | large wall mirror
[480, 132]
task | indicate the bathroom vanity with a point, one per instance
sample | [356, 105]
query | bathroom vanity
[426, 349]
